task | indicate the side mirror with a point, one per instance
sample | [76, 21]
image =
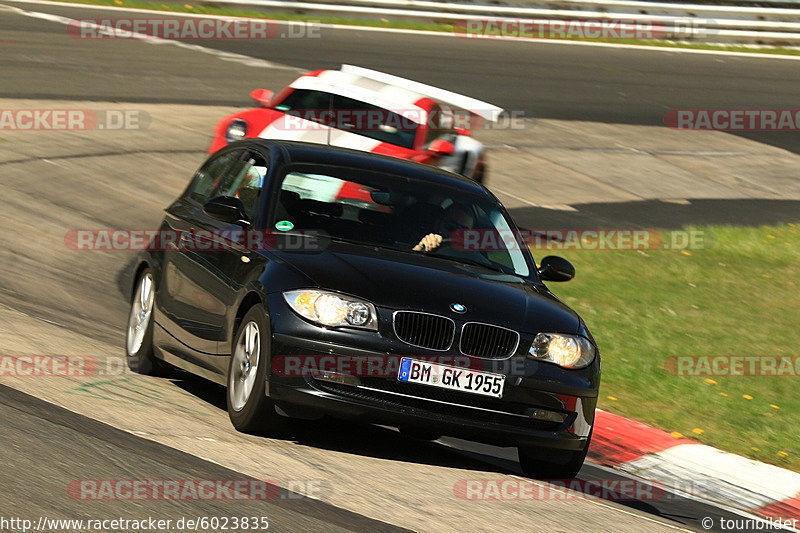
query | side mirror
[554, 268]
[262, 96]
[227, 209]
[442, 147]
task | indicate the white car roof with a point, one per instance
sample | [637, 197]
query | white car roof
[383, 95]
[391, 92]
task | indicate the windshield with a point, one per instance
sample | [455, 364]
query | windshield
[351, 115]
[399, 213]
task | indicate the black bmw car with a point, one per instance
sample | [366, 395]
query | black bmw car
[315, 281]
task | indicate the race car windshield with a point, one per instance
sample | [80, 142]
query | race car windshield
[351, 115]
[383, 211]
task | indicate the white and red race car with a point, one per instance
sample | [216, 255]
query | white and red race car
[367, 110]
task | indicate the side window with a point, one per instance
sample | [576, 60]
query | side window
[245, 180]
[305, 100]
[239, 173]
[440, 125]
[211, 175]
[374, 122]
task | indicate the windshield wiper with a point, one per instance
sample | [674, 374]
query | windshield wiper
[372, 245]
[353, 241]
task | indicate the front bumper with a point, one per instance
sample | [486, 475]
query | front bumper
[542, 405]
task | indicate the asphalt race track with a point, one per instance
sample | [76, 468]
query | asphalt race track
[57, 301]
[31, 424]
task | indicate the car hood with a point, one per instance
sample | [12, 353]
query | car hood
[399, 280]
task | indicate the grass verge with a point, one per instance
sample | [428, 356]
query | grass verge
[400, 24]
[737, 297]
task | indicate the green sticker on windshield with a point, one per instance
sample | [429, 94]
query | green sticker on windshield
[284, 225]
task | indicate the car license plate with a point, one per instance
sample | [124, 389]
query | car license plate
[450, 377]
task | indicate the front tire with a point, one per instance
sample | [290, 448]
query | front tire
[139, 334]
[249, 408]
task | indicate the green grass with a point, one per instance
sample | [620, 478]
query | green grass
[737, 297]
[190, 7]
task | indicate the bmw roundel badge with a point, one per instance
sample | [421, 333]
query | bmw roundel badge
[458, 308]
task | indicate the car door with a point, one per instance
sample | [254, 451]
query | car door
[191, 284]
[440, 127]
[224, 250]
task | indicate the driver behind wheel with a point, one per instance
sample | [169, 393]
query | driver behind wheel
[456, 217]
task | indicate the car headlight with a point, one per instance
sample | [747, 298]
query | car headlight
[331, 309]
[568, 351]
[236, 130]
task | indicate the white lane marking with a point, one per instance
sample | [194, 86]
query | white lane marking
[554, 207]
[49, 321]
[53, 163]
[149, 39]
[677, 201]
[753, 55]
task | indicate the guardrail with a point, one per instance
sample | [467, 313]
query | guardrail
[634, 6]
[681, 22]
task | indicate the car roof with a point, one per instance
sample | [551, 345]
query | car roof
[313, 153]
[378, 92]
